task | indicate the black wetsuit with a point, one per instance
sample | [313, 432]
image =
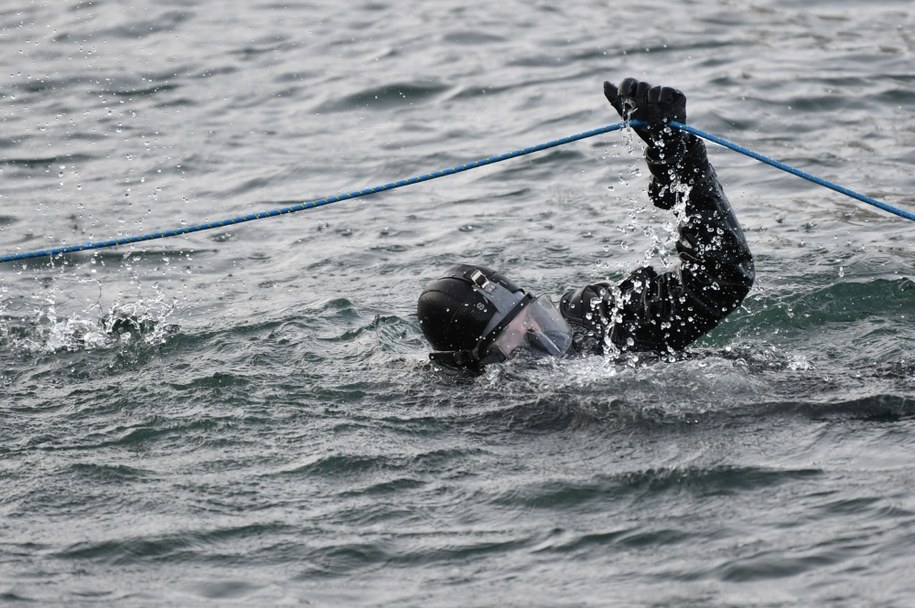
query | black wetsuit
[666, 312]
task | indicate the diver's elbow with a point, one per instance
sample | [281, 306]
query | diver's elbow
[745, 278]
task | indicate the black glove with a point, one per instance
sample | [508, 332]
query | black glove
[653, 104]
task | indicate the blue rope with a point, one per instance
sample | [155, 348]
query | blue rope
[308, 204]
[780, 165]
[429, 176]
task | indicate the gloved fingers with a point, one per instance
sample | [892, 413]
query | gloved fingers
[641, 94]
[627, 88]
[673, 104]
[613, 96]
[627, 95]
[654, 95]
[667, 95]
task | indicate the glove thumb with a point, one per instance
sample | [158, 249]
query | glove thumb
[613, 96]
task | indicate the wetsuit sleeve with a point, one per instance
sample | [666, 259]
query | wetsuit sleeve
[665, 312]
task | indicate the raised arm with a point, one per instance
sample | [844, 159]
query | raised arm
[666, 312]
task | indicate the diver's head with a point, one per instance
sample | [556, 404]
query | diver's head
[473, 316]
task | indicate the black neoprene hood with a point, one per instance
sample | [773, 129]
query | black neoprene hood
[454, 312]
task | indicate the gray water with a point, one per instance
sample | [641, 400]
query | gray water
[271, 432]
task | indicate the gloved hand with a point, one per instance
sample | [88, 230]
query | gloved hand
[654, 104]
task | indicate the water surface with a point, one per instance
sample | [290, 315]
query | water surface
[269, 430]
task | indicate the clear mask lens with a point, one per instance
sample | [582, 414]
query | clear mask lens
[539, 328]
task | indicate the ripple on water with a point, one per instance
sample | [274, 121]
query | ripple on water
[386, 96]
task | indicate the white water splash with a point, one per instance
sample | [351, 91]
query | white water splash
[143, 321]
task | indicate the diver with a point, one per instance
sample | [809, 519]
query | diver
[473, 316]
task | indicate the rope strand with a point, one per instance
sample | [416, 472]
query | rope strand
[793, 171]
[53, 251]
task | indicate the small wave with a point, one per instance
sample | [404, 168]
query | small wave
[707, 387]
[168, 21]
[107, 473]
[473, 38]
[355, 464]
[43, 162]
[393, 95]
[182, 546]
[875, 407]
[839, 302]
[144, 91]
[340, 465]
[344, 559]
[563, 495]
